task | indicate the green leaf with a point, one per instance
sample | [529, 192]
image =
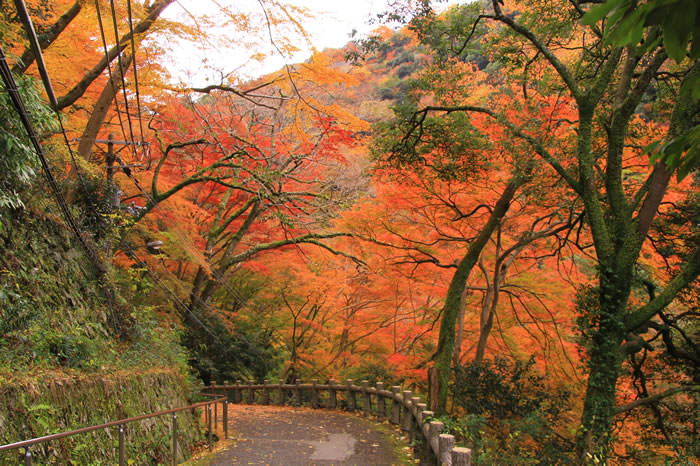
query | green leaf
[657, 15]
[695, 48]
[628, 31]
[690, 162]
[600, 11]
[693, 84]
[672, 152]
[652, 40]
[677, 27]
[651, 149]
[635, 35]
[673, 45]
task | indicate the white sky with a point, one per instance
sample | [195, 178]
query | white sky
[334, 21]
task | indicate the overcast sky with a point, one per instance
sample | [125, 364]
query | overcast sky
[334, 21]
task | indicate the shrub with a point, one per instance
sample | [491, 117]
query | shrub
[18, 161]
[510, 414]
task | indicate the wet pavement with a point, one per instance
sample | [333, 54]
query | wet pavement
[300, 436]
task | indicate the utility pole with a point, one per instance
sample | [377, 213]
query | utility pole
[110, 159]
[114, 163]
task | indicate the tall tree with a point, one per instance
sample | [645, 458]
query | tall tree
[250, 171]
[441, 144]
[607, 84]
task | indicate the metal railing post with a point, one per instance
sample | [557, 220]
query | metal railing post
[174, 439]
[225, 419]
[122, 461]
[118, 454]
[207, 412]
[211, 444]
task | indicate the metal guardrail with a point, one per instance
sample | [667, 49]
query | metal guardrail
[399, 407]
[27, 456]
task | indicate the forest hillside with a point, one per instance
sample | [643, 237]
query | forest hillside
[495, 204]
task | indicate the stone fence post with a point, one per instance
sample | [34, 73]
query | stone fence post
[251, 393]
[266, 392]
[332, 399]
[366, 400]
[314, 394]
[351, 396]
[297, 393]
[407, 414]
[406, 411]
[395, 405]
[381, 401]
[281, 399]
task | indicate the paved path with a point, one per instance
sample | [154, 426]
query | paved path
[298, 436]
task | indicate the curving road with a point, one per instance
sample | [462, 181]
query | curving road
[276, 435]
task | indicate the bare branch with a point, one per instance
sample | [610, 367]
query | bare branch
[656, 398]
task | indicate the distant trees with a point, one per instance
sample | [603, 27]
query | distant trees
[448, 156]
[235, 175]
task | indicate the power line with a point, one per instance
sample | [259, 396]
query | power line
[47, 84]
[26, 121]
[121, 74]
[36, 49]
[174, 296]
[136, 79]
[100, 269]
[217, 276]
[16, 98]
[178, 301]
[38, 56]
[109, 67]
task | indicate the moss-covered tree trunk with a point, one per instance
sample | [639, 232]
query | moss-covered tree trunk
[450, 311]
[605, 362]
[618, 213]
[618, 237]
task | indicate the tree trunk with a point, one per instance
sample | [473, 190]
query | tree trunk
[487, 314]
[460, 331]
[443, 357]
[605, 361]
[79, 89]
[617, 261]
[47, 38]
[100, 110]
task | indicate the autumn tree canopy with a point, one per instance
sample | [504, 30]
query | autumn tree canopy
[557, 57]
[495, 204]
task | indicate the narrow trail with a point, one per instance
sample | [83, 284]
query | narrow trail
[274, 435]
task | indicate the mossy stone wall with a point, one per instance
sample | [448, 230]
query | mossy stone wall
[56, 402]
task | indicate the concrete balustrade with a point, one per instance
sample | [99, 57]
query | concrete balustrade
[405, 410]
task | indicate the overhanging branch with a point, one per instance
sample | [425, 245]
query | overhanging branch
[656, 398]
